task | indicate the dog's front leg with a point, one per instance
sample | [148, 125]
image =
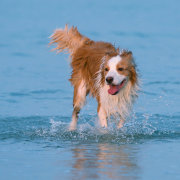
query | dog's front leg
[102, 116]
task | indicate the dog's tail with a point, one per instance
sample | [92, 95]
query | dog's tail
[67, 39]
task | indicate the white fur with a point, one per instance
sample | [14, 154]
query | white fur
[119, 104]
[99, 76]
[73, 123]
[112, 63]
[102, 117]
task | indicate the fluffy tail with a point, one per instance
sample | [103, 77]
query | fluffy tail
[67, 39]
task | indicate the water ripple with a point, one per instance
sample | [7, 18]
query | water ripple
[163, 82]
[35, 92]
[21, 54]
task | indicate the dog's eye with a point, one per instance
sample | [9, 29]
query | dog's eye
[120, 69]
[106, 69]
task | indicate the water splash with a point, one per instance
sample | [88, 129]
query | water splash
[55, 129]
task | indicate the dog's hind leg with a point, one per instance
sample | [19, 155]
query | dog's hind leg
[80, 92]
[120, 124]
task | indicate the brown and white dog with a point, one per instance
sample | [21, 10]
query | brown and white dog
[102, 70]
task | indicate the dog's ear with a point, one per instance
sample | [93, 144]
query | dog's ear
[126, 54]
[109, 53]
[118, 50]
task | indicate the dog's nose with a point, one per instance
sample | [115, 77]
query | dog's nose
[109, 80]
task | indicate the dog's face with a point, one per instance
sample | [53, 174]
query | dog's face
[118, 70]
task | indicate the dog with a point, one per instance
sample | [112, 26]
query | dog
[101, 70]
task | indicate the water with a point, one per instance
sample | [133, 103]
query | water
[36, 97]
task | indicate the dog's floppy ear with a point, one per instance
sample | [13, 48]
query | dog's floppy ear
[118, 50]
[126, 54]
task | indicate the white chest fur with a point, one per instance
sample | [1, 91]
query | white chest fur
[117, 104]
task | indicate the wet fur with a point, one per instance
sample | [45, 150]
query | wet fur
[89, 59]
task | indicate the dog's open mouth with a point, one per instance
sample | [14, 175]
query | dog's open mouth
[114, 89]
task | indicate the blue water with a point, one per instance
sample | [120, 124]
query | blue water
[36, 97]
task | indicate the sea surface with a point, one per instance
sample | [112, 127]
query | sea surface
[36, 96]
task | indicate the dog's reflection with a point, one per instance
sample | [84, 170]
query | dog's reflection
[104, 161]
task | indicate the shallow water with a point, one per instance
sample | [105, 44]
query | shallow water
[36, 97]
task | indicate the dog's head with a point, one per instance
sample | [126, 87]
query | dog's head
[118, 71]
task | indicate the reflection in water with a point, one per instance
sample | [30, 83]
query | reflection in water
[106, 161]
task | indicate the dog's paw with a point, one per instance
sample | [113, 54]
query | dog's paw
[103, 124]
[72, 126]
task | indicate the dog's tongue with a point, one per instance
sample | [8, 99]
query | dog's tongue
[113, 89]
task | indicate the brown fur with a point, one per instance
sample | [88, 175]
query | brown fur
[86, 62]
[89, 58]
[68, 39]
